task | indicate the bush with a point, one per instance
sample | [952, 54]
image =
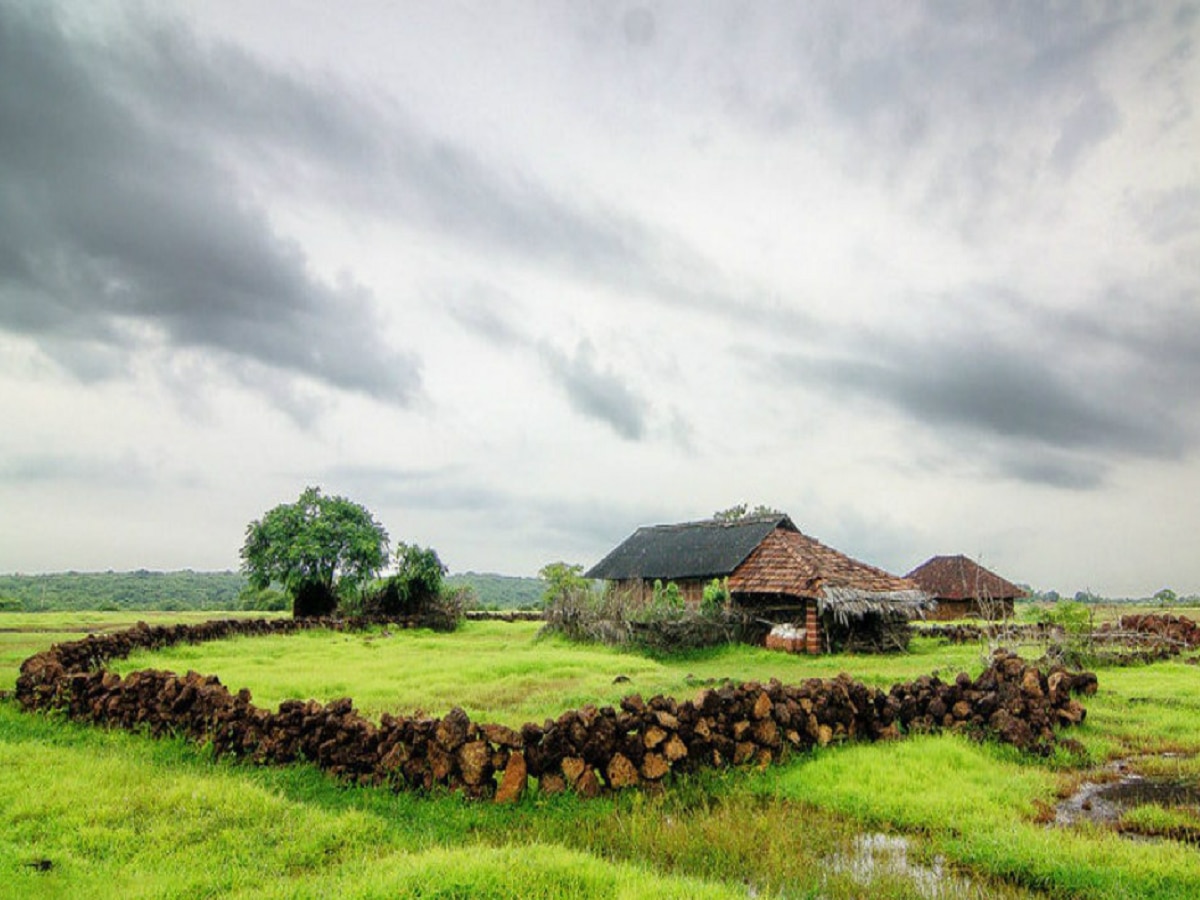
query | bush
[10, 604]
[716, 597]
[267, 600]
[1074, 621]
[664, 625]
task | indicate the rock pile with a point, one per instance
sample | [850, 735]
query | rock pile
[968, 633]
[587, 750]
[1176, 631]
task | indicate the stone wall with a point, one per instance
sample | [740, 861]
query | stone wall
[588, 750]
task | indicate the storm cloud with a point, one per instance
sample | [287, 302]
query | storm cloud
[522, 279]
[122, 227]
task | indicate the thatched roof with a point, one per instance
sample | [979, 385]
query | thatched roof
[791, 564]
[708, 549]
[960, 578]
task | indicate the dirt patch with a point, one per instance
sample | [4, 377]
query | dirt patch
[1119, 788]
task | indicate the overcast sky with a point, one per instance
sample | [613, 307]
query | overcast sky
[521, 277]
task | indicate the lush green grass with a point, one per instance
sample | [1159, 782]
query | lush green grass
[1146, 709]
[119, 815]
[24, 634]
[500, 672]
[977, 805]
[116, 815]
[205, 829]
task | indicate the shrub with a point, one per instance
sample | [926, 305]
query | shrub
[663, 625]
[716, 597]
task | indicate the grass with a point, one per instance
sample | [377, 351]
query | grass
[24, 634]
[499, 672]
[976, 804]
[220, 829]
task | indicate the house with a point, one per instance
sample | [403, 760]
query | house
[775, 574]
[965, 589]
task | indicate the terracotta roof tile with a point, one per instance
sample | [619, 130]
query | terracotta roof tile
[788, 562]
[961, 578]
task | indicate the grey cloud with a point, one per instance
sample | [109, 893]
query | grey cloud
[123, 470]
[1094, 119]
[136, 201]
[486, 312]
[1169, 215]
[1036, 465]
[436, 489]
[601, 395]
[598, 394]
[586, 529]
[959, 107]
[117, 209]
[1042, 397]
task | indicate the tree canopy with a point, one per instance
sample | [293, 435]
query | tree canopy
[742, 511]
[313, 548]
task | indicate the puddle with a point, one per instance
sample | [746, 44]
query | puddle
[1104, 802]
[886, 855]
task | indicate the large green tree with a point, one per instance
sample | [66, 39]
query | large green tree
[314, 548]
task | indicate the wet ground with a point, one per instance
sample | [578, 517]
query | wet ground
[1121, 788]
[876, 855]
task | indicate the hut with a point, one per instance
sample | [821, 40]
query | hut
[775, 575]
[964, 589]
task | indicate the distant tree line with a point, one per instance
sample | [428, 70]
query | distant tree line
[117, 591]
[187, 590]
[500, 591]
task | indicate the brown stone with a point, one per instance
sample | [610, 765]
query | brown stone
[766, 733]
[621, 773]
[653, 737]
[1031, 683]
[516, 778]
[961, 710]
[654, 766]
[502, 736]
[744, 752]
[740, 729]
[440, 763]
[552, 783]
[675, 749]
[824, 734]
[451, 732]
[395, 758]
[667, 720]
[474, 760]
[573, 768]
[762, 706]
[588, 786]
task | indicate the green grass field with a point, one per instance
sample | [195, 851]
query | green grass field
[118, 815]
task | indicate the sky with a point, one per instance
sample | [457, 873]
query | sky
[522, 277]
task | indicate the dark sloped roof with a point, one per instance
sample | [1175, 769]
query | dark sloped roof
[960, 578]
[708, 549]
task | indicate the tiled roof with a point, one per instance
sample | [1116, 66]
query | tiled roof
[708, 549]
[788, 562]
[960, 578]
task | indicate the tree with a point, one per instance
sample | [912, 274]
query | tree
[742, 511]
[563, 581]
[312, 548]
[1166, 597]
[417, 582]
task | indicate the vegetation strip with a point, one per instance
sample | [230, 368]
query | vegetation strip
[588, 749]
